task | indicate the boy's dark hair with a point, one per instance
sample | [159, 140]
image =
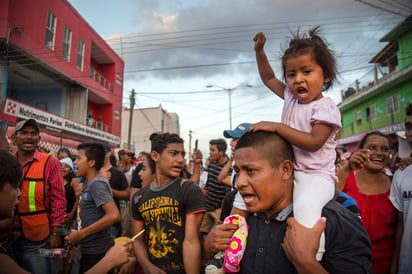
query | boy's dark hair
[94, 151]
[372, 133]
[409, 110]
[317, 46]
[219, 143]
[10, 170]
[161, 140]
[269, 144]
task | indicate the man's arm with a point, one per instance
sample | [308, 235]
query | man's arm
[301, 244]
[265, 70]
[197, 158]
[121, 194]
[57, 201]
[140, 249]
[191, 243]
[120, 187]
[110, 217]
[224, 176]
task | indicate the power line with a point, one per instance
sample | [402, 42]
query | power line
[381, 8]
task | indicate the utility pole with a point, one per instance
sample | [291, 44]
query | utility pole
[132, 102]
[190, 145]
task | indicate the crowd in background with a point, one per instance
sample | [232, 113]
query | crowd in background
[285, 199]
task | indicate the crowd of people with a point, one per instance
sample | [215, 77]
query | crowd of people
[286, 199]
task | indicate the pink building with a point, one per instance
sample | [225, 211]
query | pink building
[55, 67]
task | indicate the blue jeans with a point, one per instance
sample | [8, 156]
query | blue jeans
[26, 254]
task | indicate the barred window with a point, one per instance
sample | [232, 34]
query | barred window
[80, 53]
[67, 40]
[50, 30]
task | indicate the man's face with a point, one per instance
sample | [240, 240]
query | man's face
[263, 188]
[125, 158]
[408, 130]
[171, 161]
[9, 198]
[214, 153]
[62, 155]
[27, 139]
[81, 163]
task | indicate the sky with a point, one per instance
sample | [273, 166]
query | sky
[174, 49]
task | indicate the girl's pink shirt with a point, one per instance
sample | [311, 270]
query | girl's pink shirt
[302, 117]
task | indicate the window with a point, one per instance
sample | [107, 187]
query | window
[50, 30]
[371, 113]
[67, 40]
[116, 114]
[118, 78]
[358, 116]
[80, 53]
[392, 104]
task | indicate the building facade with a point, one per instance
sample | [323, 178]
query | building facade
[145, 122]
[54, 66]
[379, 102]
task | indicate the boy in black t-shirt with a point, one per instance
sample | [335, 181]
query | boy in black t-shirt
[171, 211]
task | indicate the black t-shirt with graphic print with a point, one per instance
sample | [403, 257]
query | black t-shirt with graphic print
[164, 210]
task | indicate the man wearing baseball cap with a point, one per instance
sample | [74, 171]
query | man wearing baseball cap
[234, 135]
[42, 205]
[224, 175]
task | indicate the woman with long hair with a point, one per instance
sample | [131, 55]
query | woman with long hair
[364, 179]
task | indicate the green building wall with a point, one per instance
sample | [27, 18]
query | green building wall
[405, 50]
[353, 126]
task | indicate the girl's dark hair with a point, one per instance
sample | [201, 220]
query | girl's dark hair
[372, 133]
[316, 45]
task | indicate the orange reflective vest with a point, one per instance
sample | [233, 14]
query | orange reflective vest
[32, 210]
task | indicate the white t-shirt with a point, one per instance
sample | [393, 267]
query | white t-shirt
[401, 196]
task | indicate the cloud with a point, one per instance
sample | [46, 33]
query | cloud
[180, 40]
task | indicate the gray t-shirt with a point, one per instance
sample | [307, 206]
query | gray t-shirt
[96, 193]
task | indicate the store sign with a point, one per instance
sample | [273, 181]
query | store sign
[391, 129]
[57, 123]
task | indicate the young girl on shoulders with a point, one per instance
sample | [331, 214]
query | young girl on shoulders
[309, 120]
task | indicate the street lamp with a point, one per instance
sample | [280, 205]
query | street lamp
[229, 91]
